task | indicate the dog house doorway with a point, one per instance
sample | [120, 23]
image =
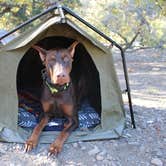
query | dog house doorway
[85, 78]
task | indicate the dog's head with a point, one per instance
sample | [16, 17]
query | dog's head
[58, 63]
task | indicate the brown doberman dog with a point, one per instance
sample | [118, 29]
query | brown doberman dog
[58, 95]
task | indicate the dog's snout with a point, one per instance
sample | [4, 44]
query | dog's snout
[62, 78]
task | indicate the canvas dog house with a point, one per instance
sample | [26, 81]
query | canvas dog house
[18, 62]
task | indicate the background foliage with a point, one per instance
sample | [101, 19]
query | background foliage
[132, 23]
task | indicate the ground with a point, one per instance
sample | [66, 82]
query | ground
[143, 146]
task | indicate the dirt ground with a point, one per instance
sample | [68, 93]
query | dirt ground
[143, 146]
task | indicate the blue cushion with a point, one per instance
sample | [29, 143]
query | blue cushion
[88, 118]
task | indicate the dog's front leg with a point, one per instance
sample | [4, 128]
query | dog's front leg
[71, 125]
[33, 139]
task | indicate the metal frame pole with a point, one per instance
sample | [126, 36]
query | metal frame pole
[128, 88]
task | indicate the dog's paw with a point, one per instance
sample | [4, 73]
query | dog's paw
[55, 148]
[29, 145]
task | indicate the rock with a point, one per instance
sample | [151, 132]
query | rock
[81, 145]
[18, 147]
[2, 151]
[67, 146]
[157, 162]
[99, 157]
[109, 157]
[75, 145]
[150, 121]
[94, 151]
[159, 154]
[5, 148]
[103, 153]
[127, 135]
[14, 144]
[38, 155]
[83, 148]
[155, 69]
[147, 150]
[143, 125]
[134, 143]
[115, 144]
[80, 142]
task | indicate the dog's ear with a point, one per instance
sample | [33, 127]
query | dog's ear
[42, 52]
[71, 48]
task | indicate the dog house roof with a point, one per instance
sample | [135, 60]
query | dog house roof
[65, 28]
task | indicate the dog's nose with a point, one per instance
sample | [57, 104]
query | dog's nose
[61, 75]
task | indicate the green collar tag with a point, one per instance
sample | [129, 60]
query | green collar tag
[55, 90]
[52, 89]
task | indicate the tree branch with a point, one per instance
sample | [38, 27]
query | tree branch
[132, 41]
[158, 4]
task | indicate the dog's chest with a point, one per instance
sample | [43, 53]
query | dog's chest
[53, 104]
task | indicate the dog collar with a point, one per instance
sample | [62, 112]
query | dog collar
[59, 88]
